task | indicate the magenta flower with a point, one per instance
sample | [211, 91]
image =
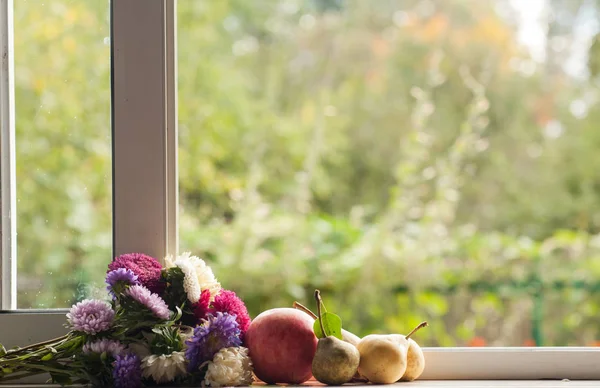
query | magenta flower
[202, 307]
[151, 301]
[228, 302]
[91, 316]
[146, 268]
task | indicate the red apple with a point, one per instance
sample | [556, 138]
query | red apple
[282, 345]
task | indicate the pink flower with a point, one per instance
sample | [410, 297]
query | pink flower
[228, 302]
[104, 345]
[91, 316]
[151, 301]
[146, 268]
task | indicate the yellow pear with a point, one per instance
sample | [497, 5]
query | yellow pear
[416, 361]
[383, 358]
[415, 357]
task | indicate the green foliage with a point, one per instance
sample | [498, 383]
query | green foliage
[331, 323]
[412, 162]
[62, 91]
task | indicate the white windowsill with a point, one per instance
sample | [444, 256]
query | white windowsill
[502, 383]
[448, 383]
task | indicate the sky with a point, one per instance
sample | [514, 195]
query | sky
[532, 34]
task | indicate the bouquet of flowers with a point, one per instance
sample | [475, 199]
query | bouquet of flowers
[173, 325]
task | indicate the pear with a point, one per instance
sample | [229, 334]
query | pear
[383, 358]
[416, 358]
[415, 363]
[335, 361]
[350, 338]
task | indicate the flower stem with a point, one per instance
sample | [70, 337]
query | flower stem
[17, 376]
[319, 303]
[64, 337]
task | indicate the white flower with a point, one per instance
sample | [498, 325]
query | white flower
[164, 368]
[190, 281]
[230, 367]
[198, 276]
[170, 261]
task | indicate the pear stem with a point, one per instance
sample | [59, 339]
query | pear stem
[421, 325]
[301, 307]
[319, 303]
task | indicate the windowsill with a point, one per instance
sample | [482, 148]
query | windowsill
[444, 384]
[502, 383]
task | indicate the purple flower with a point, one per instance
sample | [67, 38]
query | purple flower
[153, 302]
[112, 347]
[146, 268]
[91, 316]
[119, 278]
[219, 331]
[127, 372]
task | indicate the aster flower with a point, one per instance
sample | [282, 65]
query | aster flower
[165, 367]
[112, 347]
[198, 276]
[230, 367]
[190, 281]
[91, 316]
[228, 302]
[217, 332]
[151, 301]
[127, 372]
[146, 268]
[202, 307]
[119, 278]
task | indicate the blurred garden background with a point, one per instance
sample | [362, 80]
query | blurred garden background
[413, 159]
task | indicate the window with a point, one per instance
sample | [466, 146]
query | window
[63, 150]
[416, 159]
[278, 98]
[141, 114]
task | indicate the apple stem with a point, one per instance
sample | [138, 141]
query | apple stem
[419, 327]
[319, 303]
[301, 307]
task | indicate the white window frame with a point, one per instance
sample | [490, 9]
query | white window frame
[144, 160]
[145, 194]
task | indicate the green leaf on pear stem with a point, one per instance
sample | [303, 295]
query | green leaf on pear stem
[332, 325]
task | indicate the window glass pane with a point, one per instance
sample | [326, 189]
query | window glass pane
[413, 159]
[62, 91]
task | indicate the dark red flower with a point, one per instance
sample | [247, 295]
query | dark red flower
[145, 267]
[201, 307]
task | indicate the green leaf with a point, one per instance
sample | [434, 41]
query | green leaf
[332, 325]
[61, 379]
[7, 371]
[47, 357]
[2, 350]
